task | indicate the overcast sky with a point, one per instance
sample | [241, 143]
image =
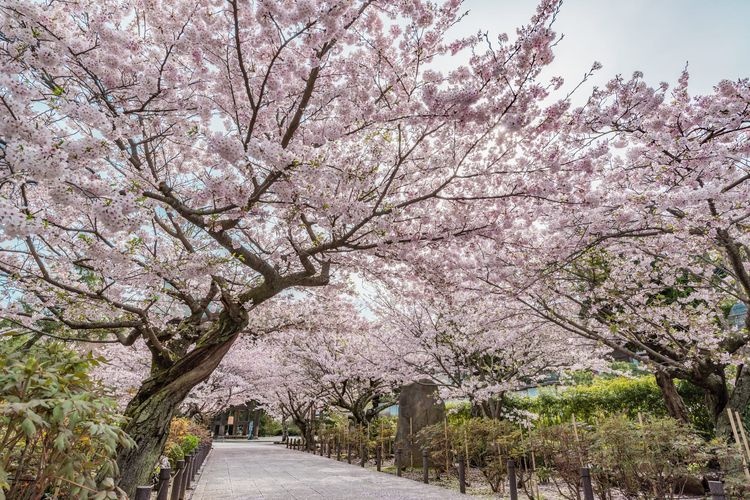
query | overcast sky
[656, 37]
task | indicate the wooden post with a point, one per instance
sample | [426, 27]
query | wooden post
[447, 446]
[462, 474]
[588, 491]
[535, 482]
[411, 444]
[512, 480]
[716, 488]
[399, 452]
[328, 448]
[738, 442]
[466, 445]
[741, 427]
[184, 482]
[382, 442]
[189, 471]
[338, 449]
[425, 466]
[349, 452]
[143, 493]
[196, 464]
[379, 457]
[362, 453]
[163, 486]
[177, 481]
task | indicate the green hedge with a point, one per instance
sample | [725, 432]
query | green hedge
[610, 396]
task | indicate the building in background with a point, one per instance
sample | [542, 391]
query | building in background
[237, 422]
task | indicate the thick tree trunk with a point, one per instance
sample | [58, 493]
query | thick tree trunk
[716, 395]
[738, 401]
[159, 397]
[672, 399]
[284, 430]
[256, 423]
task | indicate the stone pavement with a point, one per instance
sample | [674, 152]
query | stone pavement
[260, 469]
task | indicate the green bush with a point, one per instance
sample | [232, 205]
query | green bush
[174, 453]
[60, 433]
[189, 443]
[487, 444]
[607, 396]
[649, 460]
[269, 426]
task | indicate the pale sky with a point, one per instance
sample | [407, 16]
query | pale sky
[656, 37]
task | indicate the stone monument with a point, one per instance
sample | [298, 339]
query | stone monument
[418, 407]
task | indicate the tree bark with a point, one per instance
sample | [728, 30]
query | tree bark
[672, 399]
[256, 423]
[739, 400]
[149, 413]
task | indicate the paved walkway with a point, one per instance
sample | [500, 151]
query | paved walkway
[255, 470]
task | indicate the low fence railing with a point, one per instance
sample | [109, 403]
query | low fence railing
[326, 447]
[174, 484]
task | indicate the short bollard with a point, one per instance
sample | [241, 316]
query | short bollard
[177, 481]
[716, 488]
[185, 475]
[588, 491]
[398, 454]
[378, 457]
[196, 465]
[349, 452]
[143, 493]
[163, 486]
[425, 466]
[362, 455]
[190, 467]
[513, 480]
[462, 474]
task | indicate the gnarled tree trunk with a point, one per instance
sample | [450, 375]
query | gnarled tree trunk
[738, 400]
[159, 397]
[672, 399]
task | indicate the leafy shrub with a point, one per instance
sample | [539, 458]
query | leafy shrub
[189, 443]
[653, 460]
[606, 396]
[486, 443]
[174, 452]
[185, 435]
[59, 431]
[563, 449]
[269, 426]
[180, 427]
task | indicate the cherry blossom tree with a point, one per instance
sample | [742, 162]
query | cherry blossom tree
[655, 252]
[343, 355]
[475, 346]
[166, 168]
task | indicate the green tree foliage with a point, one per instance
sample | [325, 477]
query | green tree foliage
[58, 431]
